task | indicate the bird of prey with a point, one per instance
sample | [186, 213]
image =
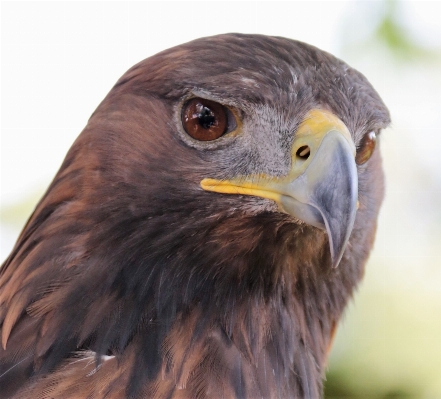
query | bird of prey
[204, 232]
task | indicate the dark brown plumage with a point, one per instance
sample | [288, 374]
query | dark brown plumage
[131, 280]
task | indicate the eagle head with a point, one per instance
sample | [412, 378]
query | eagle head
[204, 232]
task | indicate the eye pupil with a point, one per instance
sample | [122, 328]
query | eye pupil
[205, 120]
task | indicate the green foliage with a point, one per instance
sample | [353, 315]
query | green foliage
[394, 36]
[15, 215]
[337, 387]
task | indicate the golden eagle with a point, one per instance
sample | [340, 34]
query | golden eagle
[204, 232]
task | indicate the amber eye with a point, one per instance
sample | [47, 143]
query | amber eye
[206, 120]
[366, 148]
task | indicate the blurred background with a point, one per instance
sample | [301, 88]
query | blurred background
[59, 59]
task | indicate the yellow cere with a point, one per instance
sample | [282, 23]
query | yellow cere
[245, 188]
[316, 124]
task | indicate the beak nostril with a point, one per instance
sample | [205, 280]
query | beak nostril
[303, 152]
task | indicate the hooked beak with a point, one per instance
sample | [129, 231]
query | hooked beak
[322, 186]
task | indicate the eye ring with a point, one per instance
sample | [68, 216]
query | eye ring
[206, 120]
[366, 148]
